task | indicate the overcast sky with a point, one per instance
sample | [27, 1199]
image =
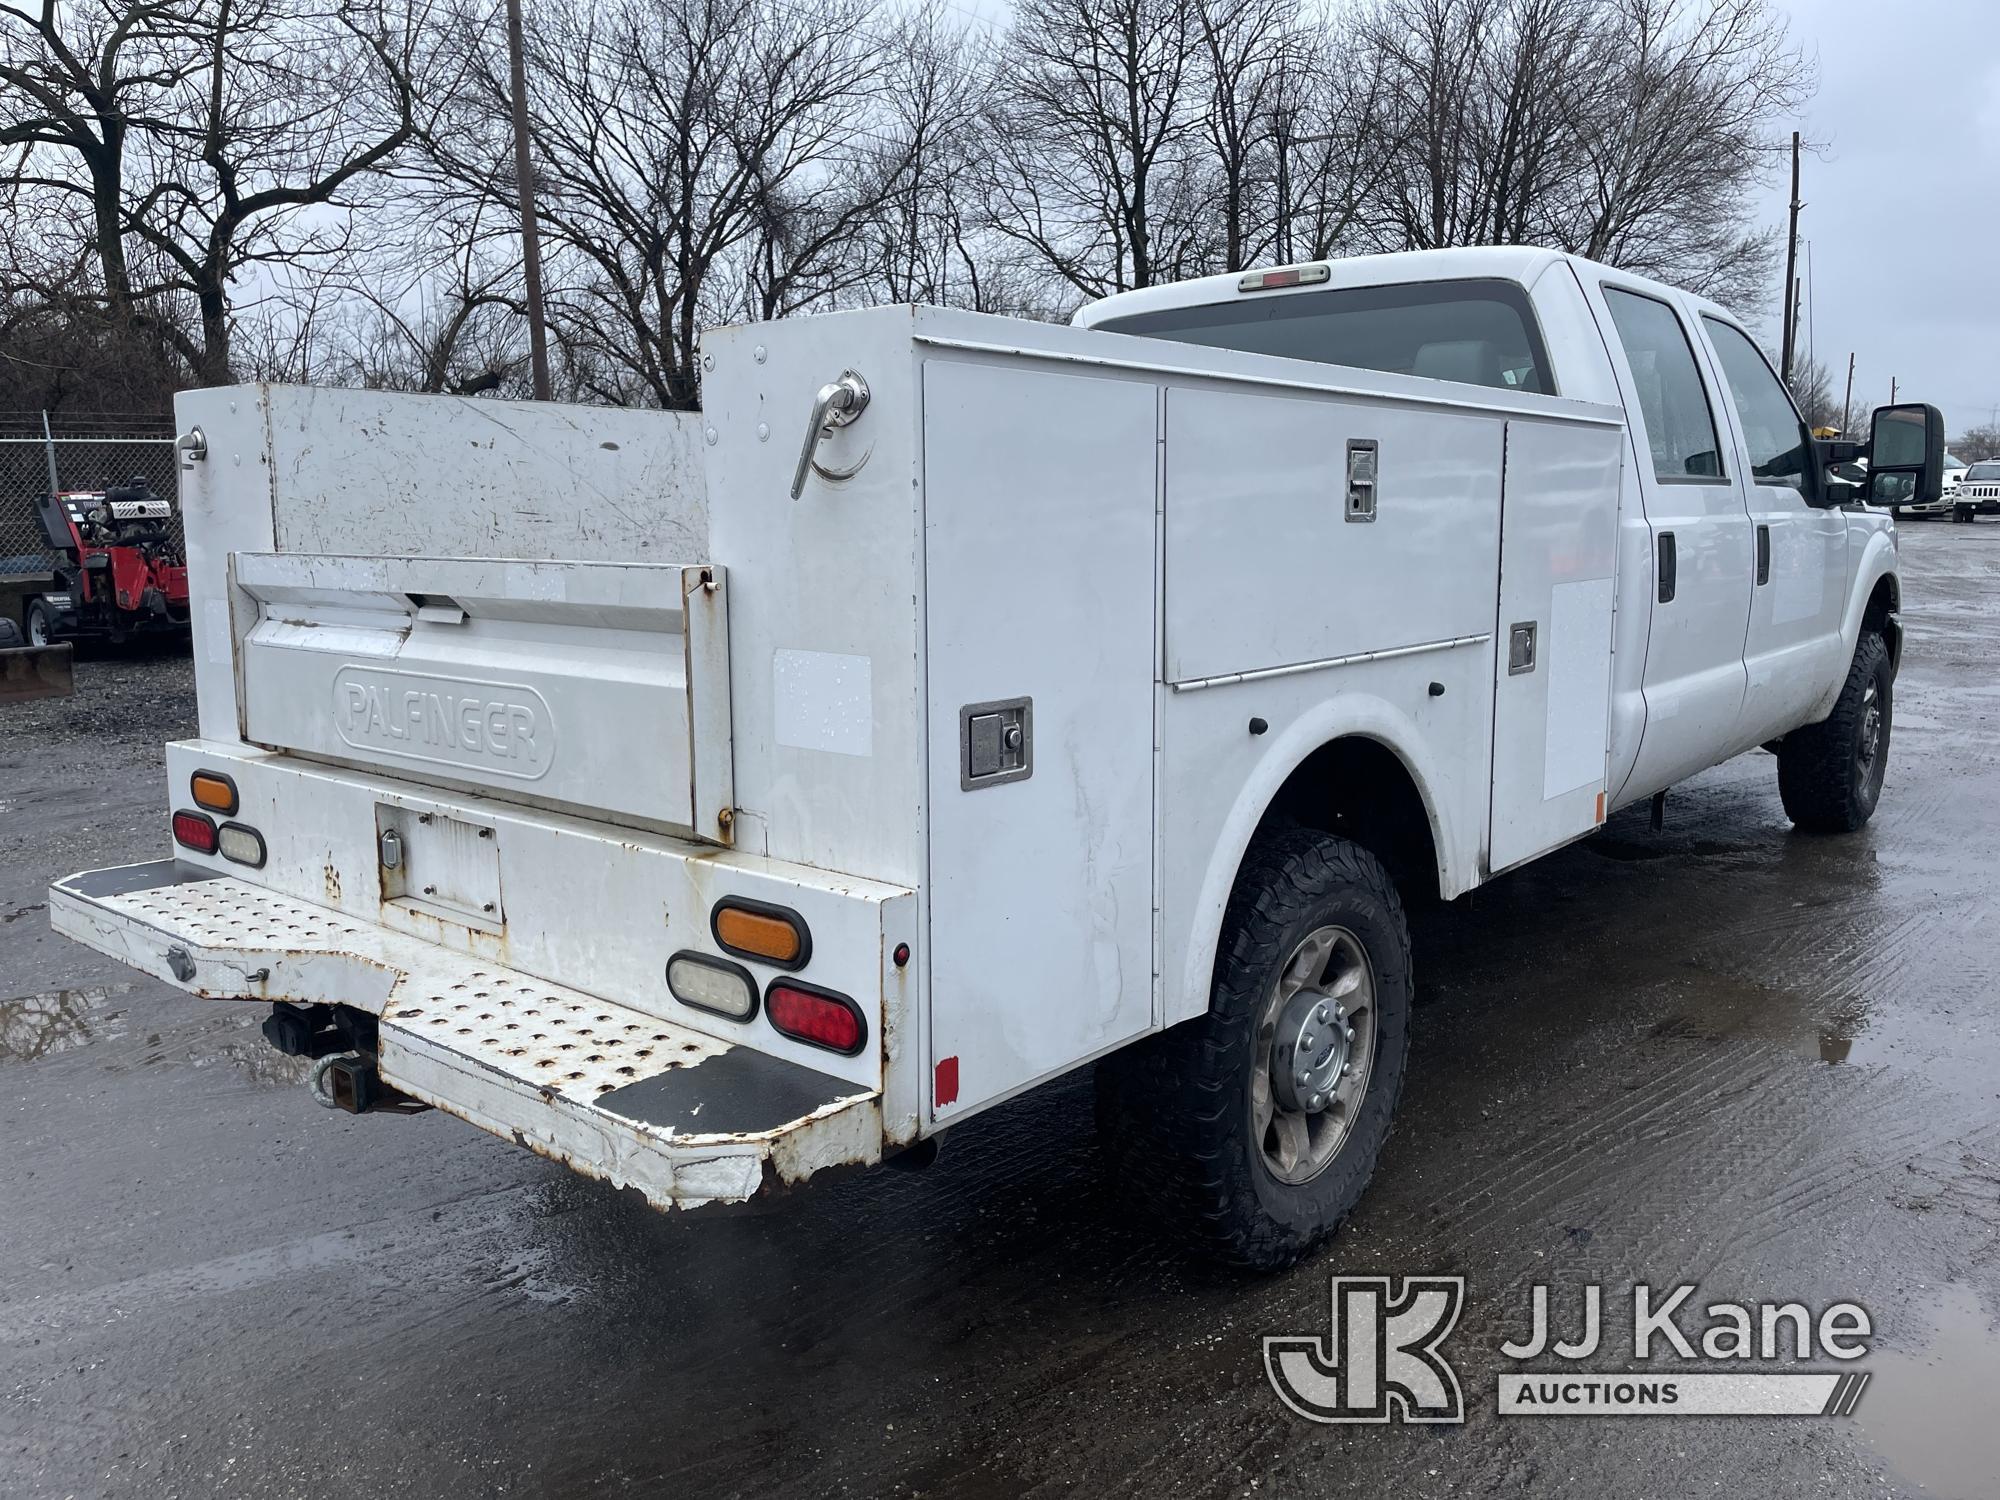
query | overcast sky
[1903, 204]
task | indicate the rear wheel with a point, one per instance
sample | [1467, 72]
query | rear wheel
[1830, 773]
[1255, 1128]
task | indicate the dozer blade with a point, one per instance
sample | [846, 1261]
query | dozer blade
[36, 672]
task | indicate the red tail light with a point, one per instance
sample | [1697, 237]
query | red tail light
[817, 1017]
[195, 831]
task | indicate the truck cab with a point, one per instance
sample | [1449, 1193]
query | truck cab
[1744, 583]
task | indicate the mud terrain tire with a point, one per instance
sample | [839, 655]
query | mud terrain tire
[1178, 1112]
[1830, 773]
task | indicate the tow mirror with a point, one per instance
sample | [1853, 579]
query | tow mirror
[1906, 440]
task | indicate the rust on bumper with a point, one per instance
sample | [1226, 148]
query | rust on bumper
[612, 1092]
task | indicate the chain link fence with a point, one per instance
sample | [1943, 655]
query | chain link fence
[41, 452]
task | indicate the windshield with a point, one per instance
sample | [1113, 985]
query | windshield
[1987, 469]
[1477, 332]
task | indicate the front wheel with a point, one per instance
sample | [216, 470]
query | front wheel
[1255, 1128]
[37, 621]
[1830, 773]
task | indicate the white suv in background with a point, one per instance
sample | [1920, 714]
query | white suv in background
[1978, 491]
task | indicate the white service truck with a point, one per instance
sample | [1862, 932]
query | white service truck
[703, 807]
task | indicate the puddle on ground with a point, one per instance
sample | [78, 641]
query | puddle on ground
[33, 1026]
[260, 1062]
[1714, 1009]
[1930, 1415]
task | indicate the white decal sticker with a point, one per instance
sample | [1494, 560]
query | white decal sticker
[823, 701]
[1578, 658]
[215, 642]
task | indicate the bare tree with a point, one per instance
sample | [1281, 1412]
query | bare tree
[926, 241]
[77, 82]
[1326, 137]
[1681, 133]
[446, 312]
[672, 138]
[297, 107]
[201, 134]
[193, 190]
[1251, 51]
[1812, 389]
[1978, 443]
[1091, 132]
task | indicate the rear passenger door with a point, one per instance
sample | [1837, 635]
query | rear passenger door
[1699, 591]
[1798, 595]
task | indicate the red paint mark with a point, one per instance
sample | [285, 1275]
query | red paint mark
[947, 1082]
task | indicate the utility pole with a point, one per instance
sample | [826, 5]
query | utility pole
[1791, 266]
[524, 186]
[1892, 390]
[49, 449]
[1847, 401]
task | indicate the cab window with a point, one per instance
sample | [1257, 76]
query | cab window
[1673, 403]
[1776, 441]
[1479, 332]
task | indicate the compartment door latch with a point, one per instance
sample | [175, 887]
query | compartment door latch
[996, 742]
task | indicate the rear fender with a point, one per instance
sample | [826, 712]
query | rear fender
[1355, 715]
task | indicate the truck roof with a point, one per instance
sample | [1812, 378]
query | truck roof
[1521, 264]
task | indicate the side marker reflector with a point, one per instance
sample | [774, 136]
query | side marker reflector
[757, 929]
[214, 791]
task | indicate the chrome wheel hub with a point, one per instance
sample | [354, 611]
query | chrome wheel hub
[1310, 1052]
[1315, 1051]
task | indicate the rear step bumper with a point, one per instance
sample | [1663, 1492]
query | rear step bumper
[612, 1092]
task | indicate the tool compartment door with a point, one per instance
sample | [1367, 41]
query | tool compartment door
[596, 688]
[1039, 521]
[1552, 658]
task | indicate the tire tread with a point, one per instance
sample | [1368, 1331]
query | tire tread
[1816, 780]
[1168, 1107]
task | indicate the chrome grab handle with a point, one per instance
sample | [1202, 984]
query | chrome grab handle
[192, 446]
[837, 404]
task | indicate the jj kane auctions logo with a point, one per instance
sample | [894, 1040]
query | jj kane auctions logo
[1382, 1357]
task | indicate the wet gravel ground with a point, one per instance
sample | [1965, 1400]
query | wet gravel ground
[1723, 1054]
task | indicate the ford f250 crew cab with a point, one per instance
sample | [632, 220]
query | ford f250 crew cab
[707, 800]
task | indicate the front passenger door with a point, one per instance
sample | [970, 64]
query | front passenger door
[1798, 601]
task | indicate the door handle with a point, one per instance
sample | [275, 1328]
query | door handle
[1763, 554]
[1521, 648]
[1668, 567]
[838, 403]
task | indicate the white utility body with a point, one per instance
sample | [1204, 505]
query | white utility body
[937, 777]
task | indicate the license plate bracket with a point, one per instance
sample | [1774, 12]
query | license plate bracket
[435, 863]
